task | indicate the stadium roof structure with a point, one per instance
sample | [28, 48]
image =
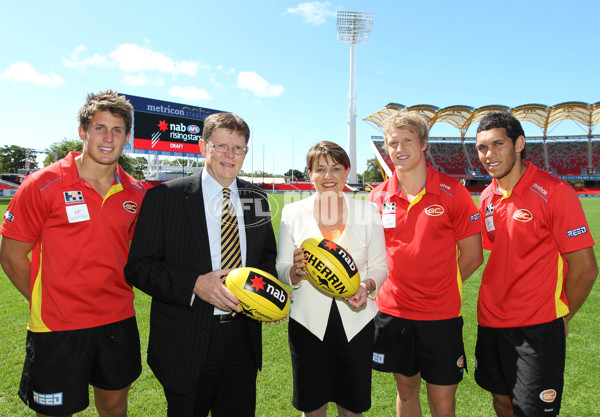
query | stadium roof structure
[462, 117]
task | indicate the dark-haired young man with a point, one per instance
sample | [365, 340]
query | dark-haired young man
[540, 271]
[76, 218]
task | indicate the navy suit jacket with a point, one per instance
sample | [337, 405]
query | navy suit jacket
[170, 249]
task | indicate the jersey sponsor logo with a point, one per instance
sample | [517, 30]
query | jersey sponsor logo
[475, 217]
[523, 215]
[130, 206]
[378, 357]
[388, 208]
[9, 216]
[78, 213]
[73, 197]
[447, 187]
[489, 209]
[434, 210]
[576, 232]
[540, 189]
[548, 395]
[48, 399]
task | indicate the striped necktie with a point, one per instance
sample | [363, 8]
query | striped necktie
[231, 255]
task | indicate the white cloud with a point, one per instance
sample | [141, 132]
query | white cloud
[142, 80]
[22, 71]
[131, 57]
[136, 80]
[314, 12]
[216, 83]
[75, 62]
[190, 93]
[253, 82]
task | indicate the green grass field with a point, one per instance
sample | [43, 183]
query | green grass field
[582, 387]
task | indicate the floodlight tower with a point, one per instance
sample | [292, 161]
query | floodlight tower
[353, 28]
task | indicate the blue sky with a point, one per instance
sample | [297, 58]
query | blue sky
[278, 64]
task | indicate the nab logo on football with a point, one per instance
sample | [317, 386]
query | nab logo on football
[263, 287]
[548, 395]
[348, 263]
[435, 210]
[523, 215]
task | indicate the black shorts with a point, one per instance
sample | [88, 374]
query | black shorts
[332, 370]
[525, 363]
[60, 366]
[433, 348]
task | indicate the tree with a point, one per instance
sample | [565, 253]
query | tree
[296, 174]
[140, 166]
[59, 150]
[13, 158]
[372, 173]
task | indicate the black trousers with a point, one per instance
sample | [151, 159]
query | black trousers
[227, 382]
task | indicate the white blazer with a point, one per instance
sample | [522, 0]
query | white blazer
[363, 237]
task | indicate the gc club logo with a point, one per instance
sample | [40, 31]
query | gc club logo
[434, 210]
[130, 206]
[548, 395]
[522, 215]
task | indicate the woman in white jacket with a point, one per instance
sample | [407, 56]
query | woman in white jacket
[331, 339]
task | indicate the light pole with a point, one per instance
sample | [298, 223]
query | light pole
[353, 28]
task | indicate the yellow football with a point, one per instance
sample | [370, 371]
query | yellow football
[262, 297]
[330, 267]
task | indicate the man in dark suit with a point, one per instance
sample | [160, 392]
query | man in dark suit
[205, 356]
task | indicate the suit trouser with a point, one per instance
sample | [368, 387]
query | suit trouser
[227, 382]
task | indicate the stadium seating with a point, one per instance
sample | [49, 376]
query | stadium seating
[449, 157]
[569, 158]
[566, 156]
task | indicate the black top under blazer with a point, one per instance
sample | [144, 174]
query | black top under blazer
[169, 250]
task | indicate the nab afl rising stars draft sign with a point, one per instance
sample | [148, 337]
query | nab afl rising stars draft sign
[330, 267]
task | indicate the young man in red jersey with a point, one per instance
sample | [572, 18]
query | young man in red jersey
[540, 271]
[433, 244]
[76, 219]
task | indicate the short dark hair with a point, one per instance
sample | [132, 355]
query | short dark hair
[227, 121]
[329, 150]
[106, 100]
[503, 119]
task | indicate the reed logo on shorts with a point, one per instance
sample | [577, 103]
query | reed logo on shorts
[548, 395]
[378, 357]
[461, 362]
[48, 399]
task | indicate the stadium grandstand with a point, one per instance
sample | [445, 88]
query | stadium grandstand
[574, 158]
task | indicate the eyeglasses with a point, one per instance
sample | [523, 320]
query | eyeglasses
[222, 148]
